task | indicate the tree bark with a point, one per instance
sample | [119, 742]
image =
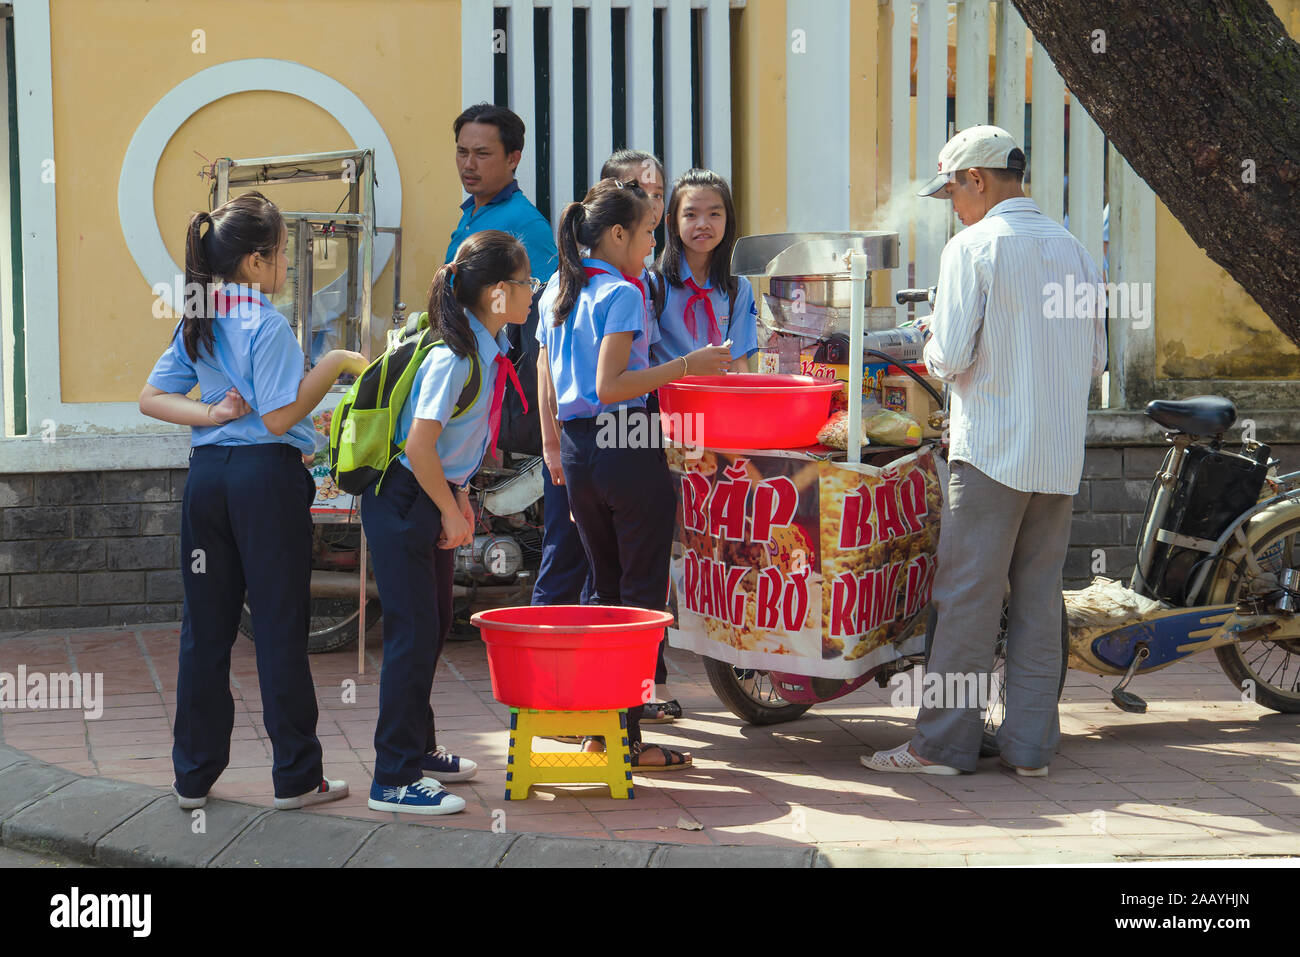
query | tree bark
[1188, 91]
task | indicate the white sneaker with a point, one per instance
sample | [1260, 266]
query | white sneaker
[425, 796]
[188, 804]
[447, 768]
[328, 791]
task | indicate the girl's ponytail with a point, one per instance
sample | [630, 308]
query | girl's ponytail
[196, 330]
[483, 260]
[447, 316]
[247, 224]
[572, 276]
[607, 204]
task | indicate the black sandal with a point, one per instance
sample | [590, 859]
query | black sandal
[661, 712]
[599, 739]
[674, 760]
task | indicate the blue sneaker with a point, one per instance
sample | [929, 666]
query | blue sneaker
[442, 765]
[425, 796]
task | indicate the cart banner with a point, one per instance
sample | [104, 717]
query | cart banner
[786, 562]
[331, 502]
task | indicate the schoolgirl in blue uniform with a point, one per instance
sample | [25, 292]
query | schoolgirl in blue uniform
[595, 331]
[701, 302]
[419, 512]
[564, 577]
[246, 514]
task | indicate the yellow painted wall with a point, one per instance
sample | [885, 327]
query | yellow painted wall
[401, 59]
[1206, 324]
[758, 120]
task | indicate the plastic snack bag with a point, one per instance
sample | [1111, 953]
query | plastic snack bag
[887, 427]
[879, 427]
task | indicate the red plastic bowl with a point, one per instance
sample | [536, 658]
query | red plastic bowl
[571, 657]
[746, 410]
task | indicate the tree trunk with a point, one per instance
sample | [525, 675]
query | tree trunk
[1201, 97]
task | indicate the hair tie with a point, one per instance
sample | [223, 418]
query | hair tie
[451, 283]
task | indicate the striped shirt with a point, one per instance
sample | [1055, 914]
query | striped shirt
[1019, 346]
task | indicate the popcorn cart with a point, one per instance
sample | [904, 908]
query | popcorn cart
[801, 572]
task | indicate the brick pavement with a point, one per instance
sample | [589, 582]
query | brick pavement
[1202, 774]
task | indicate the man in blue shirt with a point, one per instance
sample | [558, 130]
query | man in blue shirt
[489, 144]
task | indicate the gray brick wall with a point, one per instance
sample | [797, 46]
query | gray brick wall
[1108, 509]
[86, 549]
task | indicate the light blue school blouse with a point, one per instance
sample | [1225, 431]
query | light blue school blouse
[256, 352]
[434, 391]
[606, 305]
[738, 322]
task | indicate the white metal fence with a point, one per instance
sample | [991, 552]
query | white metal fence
[1044, 136]
[1068, 169]
[690, 122]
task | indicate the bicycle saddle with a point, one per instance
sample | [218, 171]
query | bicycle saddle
[1199, 415]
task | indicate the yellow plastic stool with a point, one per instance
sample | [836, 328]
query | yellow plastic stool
[526, 767]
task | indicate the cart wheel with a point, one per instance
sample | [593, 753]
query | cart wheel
[333, 623]
[998, 708]
[750, 695]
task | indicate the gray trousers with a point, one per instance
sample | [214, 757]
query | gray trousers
[993, 535]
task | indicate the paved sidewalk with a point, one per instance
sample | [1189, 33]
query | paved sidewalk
[1202, 774]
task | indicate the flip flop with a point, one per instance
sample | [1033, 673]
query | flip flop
[899, 760]
[661, 712]
[1024, 772]
[676, 760]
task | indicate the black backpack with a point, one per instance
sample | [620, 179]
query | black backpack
[521, 432]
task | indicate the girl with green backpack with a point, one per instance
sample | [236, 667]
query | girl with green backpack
[420, 512]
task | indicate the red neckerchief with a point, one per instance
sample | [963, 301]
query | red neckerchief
[701, 296]
[224, 301]
[505, 370]
[645, 313]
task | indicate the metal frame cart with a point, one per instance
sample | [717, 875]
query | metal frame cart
[351, 225]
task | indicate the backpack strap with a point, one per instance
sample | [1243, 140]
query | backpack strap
[414, 323]
[473, 385]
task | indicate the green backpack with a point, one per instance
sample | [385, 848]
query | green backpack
[362, 428]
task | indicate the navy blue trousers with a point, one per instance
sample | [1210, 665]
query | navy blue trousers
[564, 576]
[414, 577]
[623, 504]
[246, 526]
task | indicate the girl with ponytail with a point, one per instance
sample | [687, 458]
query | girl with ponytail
[595, 331]
[421, 512]
[246, 516]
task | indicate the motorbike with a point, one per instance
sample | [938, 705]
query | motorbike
[1217, 570]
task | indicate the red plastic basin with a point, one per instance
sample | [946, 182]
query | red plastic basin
[746, 410]
[571, 657]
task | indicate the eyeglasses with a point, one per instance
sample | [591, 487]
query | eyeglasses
[532, 282]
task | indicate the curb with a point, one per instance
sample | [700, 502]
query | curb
[110, 823]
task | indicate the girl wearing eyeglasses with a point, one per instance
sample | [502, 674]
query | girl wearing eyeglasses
[420, 513]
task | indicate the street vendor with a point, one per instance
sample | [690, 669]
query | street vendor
[1019, 383]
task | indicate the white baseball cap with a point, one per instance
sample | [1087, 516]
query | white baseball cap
[987, 147]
